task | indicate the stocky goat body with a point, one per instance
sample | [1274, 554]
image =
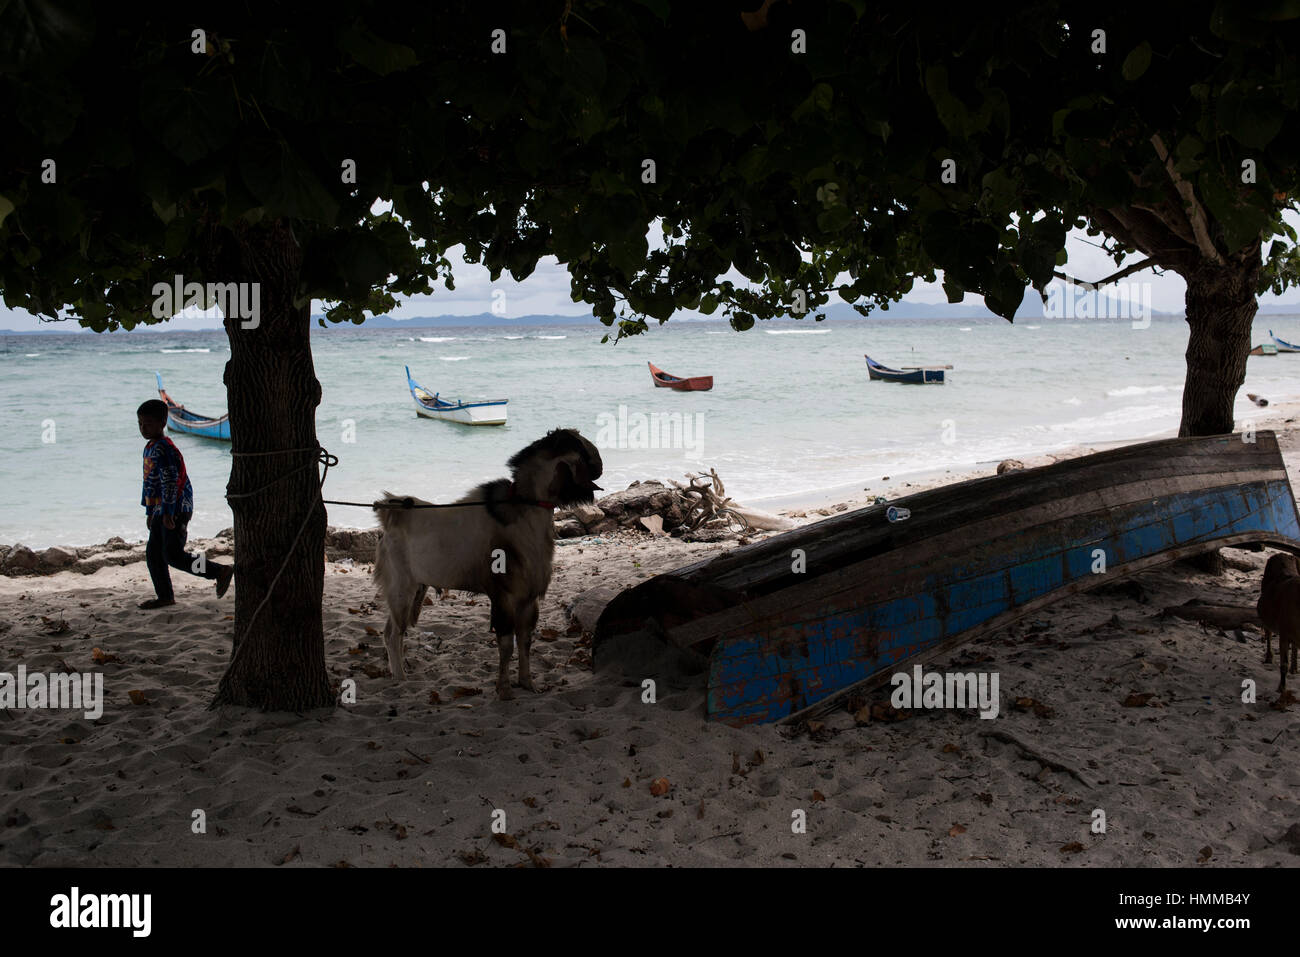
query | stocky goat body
[501, 547]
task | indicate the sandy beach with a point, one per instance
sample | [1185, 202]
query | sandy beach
[1106, 704]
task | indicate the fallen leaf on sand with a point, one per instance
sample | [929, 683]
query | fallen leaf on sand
[470, 858]
[355, 650]
[138, 697]
[296, 852]
[505, 840]
[465, 692]
[55, 626]
[627, 782]
[371, 630]
[1207, 852]
[530, 802]
[1074, 847]
[428, 600]
[1136, 700]
[951, 748]
[818, 796]
[548, 634]
[101, 657]
[955, 830]
[435, 698]
[660, 787]
[354, 611]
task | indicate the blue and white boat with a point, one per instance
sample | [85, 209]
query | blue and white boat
[432, 406]
[181, 419]
[1282, 344]
[911, 375]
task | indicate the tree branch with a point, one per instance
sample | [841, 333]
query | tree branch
[1127, 270]
[1195, 212]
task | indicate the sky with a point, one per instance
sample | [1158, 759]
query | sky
[546, 291]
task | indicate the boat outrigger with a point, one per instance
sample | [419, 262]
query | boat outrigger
[779, 639]
[181, 419]
[432, 406]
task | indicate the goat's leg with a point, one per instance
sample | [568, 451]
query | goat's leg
[393, 633]
[505, 645]
[525, 622]
[1293, 654]
[1282, 646]
[1268, 647]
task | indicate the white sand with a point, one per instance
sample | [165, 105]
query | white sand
[395, 779]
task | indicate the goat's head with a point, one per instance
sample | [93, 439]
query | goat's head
[1281, 566]
[560, 467]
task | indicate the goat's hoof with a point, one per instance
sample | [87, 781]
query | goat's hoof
[527, 685]
[504, 693]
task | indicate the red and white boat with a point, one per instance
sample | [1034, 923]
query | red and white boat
[699, 383]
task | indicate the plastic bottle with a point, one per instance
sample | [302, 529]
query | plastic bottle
[897, 514]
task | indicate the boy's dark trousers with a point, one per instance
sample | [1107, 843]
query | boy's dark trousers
[167, 547]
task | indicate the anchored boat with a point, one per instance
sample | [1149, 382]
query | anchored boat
[1282, 344]
[181, 419]
[780, 635]
[432, 406]
[662, 380]
[912, 375]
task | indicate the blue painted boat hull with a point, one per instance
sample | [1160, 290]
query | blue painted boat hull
[181, 419]
[973, 557]
[1282, 344]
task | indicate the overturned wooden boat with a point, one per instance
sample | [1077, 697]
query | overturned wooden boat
[799, 620]
[181, 419]
[662, 380]
[430, 405]
[1264, 349]
[911, 375]
[1282, 344]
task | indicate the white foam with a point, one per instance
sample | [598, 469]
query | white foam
[437, 338]
[796, 332]
[453, 358]
[1136, 390]
[552, 337]
[184, 350]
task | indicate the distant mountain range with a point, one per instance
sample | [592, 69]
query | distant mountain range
[1031, 308]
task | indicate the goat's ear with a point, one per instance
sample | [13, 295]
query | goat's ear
[562, 482]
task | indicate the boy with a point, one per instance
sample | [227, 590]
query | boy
[168, 501]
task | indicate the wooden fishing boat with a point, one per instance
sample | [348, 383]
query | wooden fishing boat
[912, 375]
[1264, 349]
[1282, 344]
[699, 383]
[181, 419]
[795, 622]
[432, 406]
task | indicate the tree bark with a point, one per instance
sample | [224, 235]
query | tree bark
[1221, 308]
[278, 653]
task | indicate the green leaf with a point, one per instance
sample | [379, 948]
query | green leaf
[742, 321]
[191, 118]
[284, 183]
[1253, 120]
[6, 207]
[1136, 63]
[373, 52]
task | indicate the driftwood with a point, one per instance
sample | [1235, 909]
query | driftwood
[700, 503]
[1222, 616]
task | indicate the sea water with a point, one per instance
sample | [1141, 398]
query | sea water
[792, 410]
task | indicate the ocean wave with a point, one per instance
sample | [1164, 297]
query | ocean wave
[552, 337]
[1136, 390]
[964, 328]
[796, 332]
[184, 350]
[514, 337]
[437, 338]
[1072, 400]
[453, 358]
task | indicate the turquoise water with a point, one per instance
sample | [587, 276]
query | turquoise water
[792, 409]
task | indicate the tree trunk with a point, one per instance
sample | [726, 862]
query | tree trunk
[1221, 307]
[278, 655]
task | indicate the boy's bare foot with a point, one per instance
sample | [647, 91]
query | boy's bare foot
[157, 603]
[224, 575]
